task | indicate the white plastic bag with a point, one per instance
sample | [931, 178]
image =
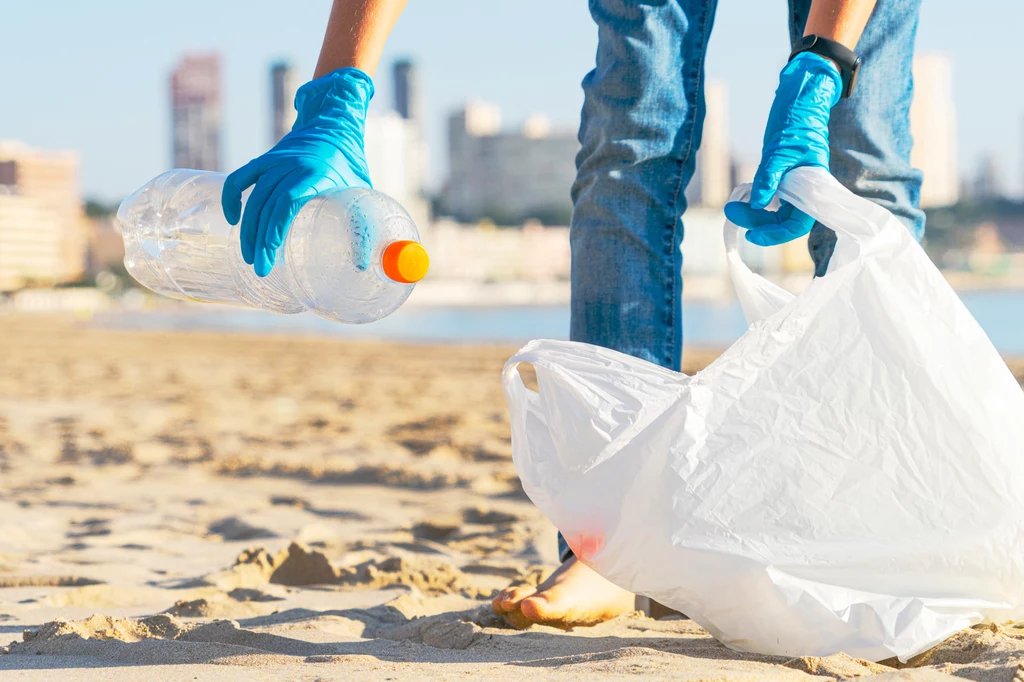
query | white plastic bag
[848, 476]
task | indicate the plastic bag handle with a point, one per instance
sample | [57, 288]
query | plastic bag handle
[758, 297]
[512, 380]
[817, 193]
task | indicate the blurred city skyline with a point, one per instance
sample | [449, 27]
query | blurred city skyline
[100, 85]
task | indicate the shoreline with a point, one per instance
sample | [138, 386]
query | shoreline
[468, 294]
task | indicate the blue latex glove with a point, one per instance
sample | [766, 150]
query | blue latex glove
[324, 150]
[796, 135]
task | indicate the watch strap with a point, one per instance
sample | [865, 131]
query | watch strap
[846, 59]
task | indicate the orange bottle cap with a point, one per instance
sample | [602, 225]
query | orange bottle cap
[405, 261]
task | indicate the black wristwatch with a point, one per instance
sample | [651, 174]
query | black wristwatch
[846, 59]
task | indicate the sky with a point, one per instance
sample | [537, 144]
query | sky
[93, 76]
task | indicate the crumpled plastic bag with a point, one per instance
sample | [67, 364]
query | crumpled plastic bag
[848, 476]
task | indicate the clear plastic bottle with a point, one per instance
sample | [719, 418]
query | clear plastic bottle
[351, 255]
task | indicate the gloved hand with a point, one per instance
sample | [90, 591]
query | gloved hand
[796, 135]
[324, 150]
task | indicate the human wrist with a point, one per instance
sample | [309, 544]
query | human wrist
[821, 73]
[343, 94]
[840, 20]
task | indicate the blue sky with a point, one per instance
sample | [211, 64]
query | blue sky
[92, 76]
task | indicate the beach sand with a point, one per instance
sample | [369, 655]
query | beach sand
[230, 507]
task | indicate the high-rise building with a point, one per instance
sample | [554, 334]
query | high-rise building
[196, 112]
[742, 171]
[396, 157]
[283, 84]
[933, 127]
[30, 242]
[466, 127]
[407, 90]
[395, 149]
[711, 183]
[986, 184]
[508, 177]
[40, 195]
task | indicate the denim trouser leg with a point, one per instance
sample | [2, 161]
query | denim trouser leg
[869, 133]
[640, 130]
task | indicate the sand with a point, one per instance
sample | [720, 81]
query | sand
[197, 506]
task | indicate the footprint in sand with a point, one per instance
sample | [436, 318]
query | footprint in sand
[233, 528]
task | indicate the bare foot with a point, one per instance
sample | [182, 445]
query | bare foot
[573, 595]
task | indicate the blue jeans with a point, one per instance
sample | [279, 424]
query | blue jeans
[640, 131]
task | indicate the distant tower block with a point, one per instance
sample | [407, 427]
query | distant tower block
[283, 84]
[42, 234]
[407, 90]
[509, 176]
[711, 182]
[195, 112]
[933, 127]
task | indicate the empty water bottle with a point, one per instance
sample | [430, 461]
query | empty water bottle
[351, 255]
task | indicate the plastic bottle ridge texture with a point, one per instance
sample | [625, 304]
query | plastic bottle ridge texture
[352, 255]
